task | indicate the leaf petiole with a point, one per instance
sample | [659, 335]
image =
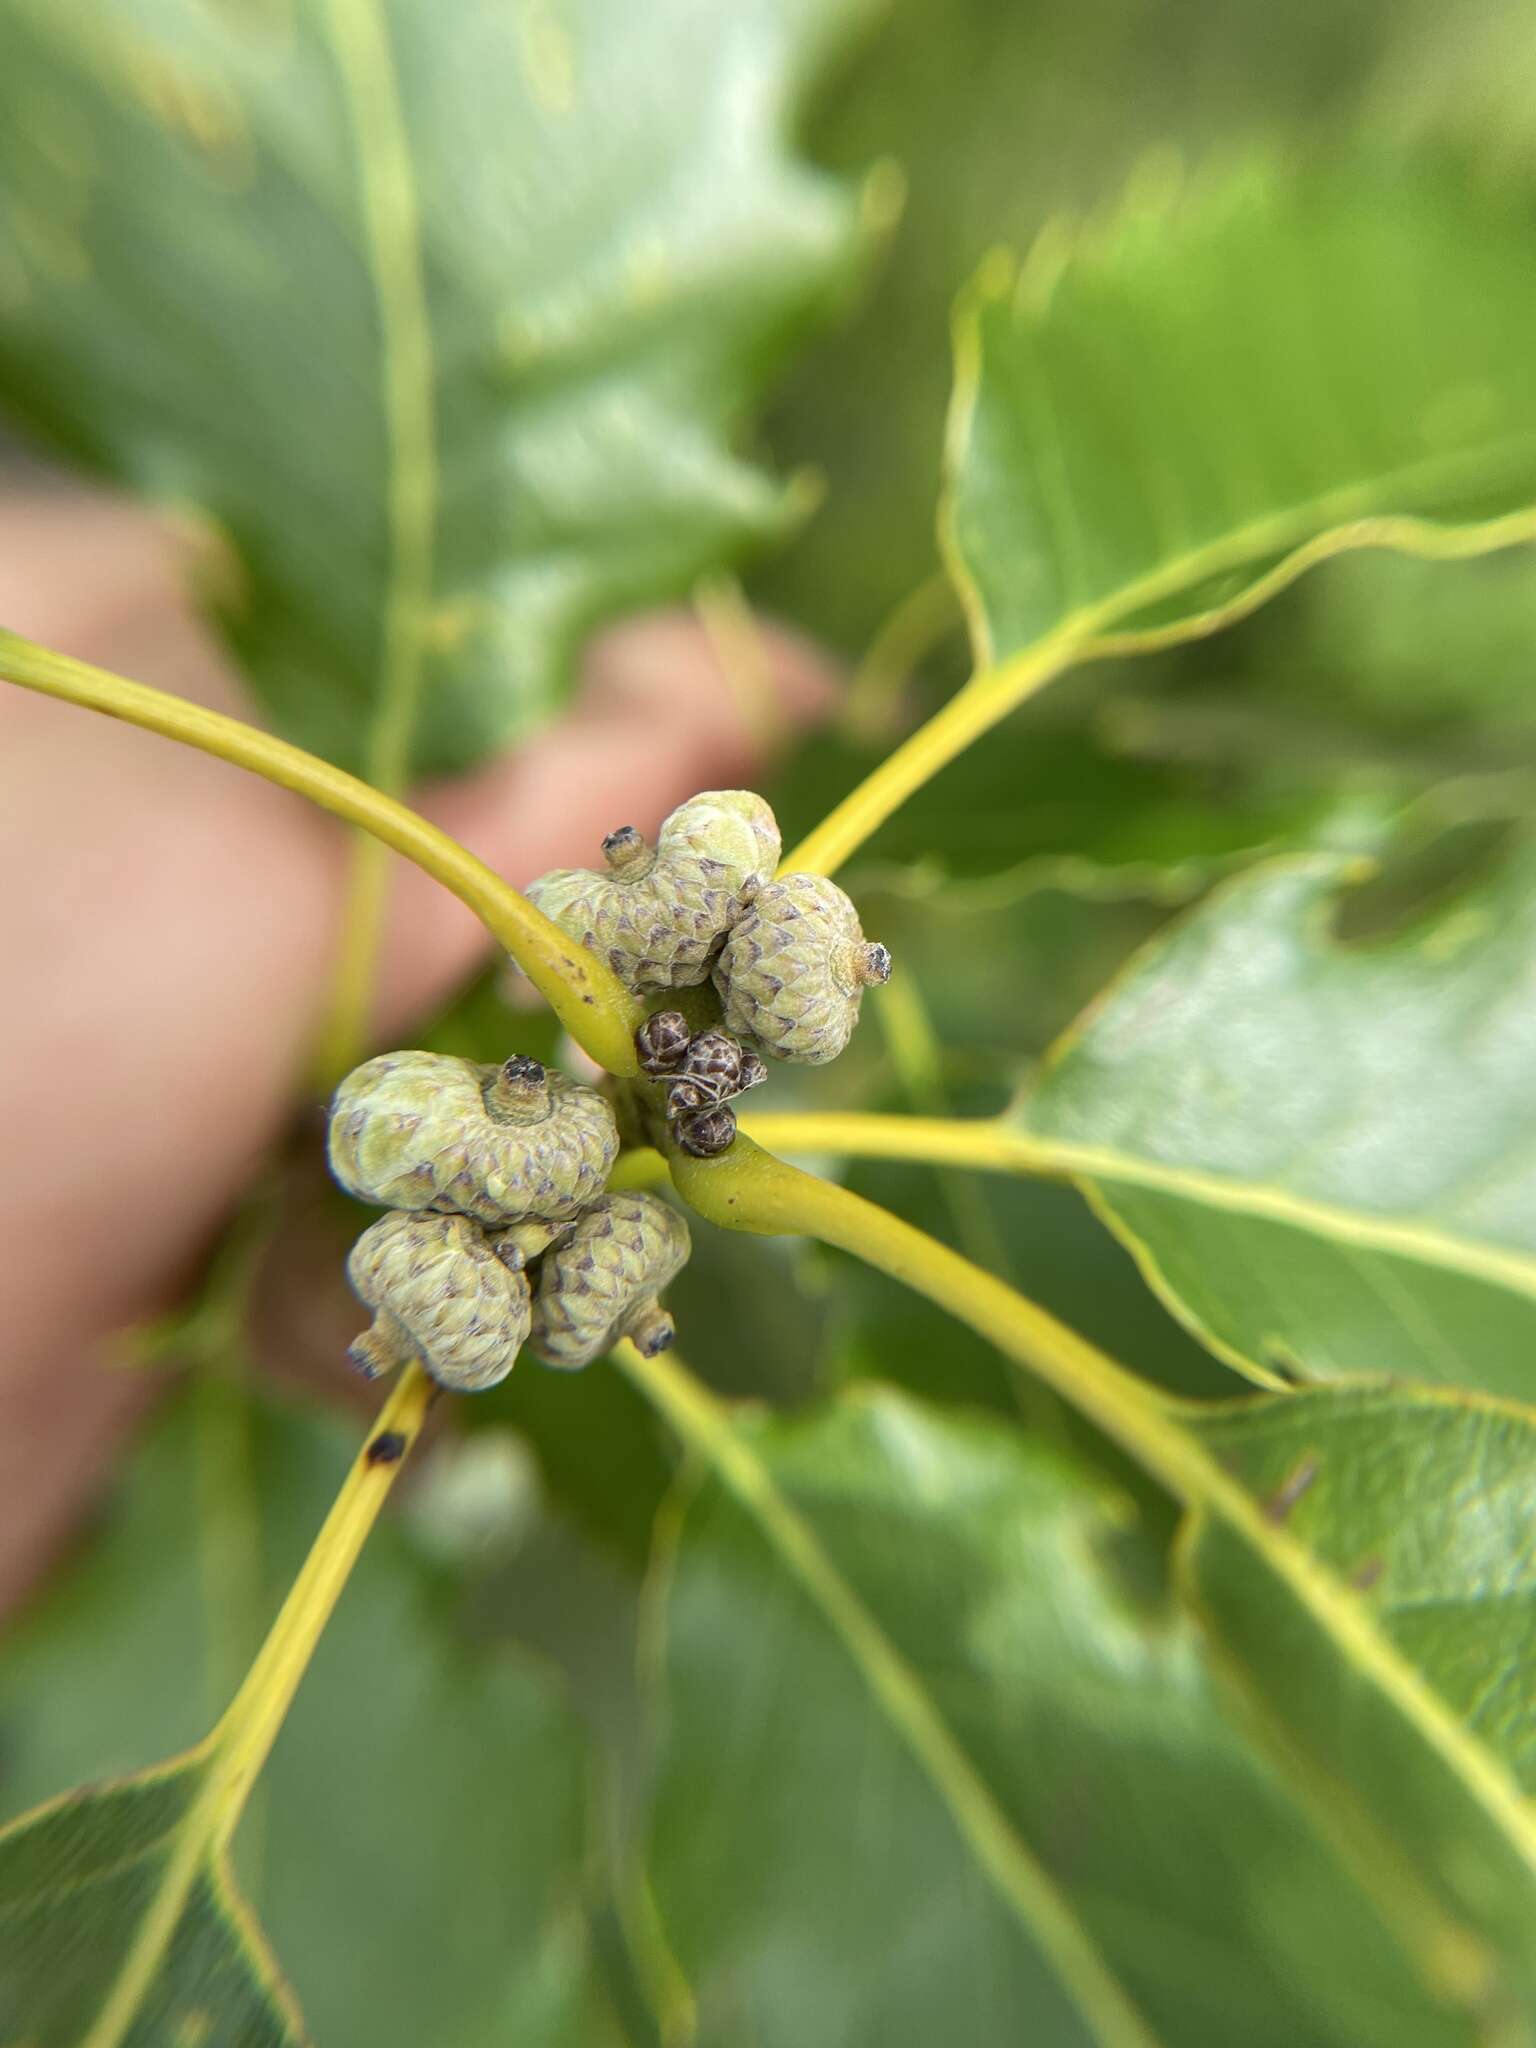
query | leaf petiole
[590, 1001]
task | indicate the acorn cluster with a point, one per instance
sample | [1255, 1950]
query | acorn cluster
[501, 1232]
[787, 956]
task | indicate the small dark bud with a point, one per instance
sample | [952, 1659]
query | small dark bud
[707, 1134]
[687, 1096]
[661, 1043]
[715, 1057]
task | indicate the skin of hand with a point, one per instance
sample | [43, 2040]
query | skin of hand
[167, 927]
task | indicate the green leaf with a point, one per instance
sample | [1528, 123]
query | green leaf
[1164, 416]
[444, 325]
[1320, 1151]
[1002, 114]
[418, 1842]
[87, 1954]
[817, 1883]
[1426, 1505]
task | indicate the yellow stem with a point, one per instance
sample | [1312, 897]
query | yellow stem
[984, 1143]
[232, 1756]
[749, 1189]
[639, 1168]
[971, 712]
[590, 1001]
[240, 1743]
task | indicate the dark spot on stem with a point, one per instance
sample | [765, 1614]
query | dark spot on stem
[387, 1448]
[1366, 1573]
[1284, 1499]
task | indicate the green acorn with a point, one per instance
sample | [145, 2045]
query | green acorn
[422, 1130]
[601, 1284]
[658, 914]
[794, 970]
[439, 1294]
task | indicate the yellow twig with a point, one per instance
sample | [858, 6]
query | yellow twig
[590, 1001]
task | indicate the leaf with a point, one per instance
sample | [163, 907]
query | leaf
[441, 327]
[1468, 1927]
[82, 1888]
[1002, 114]
[1426, 1504]
[1163, 417]
[815, 1883]
[1321, 1152]
[418, 1845]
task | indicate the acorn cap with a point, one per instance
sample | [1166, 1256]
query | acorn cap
[421, 1130]
[658, 917]
[442, 1296]
[794, 969]
[602, 1282]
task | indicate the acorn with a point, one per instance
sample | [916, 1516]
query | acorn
[794, 970]
[661, 1042]
[439, 1294]
[601, 1284]
[658, 914]
[423, 1130]
[707, 1133]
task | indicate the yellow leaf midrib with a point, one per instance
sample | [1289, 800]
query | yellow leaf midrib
[1024, 1885]
[993, 1145]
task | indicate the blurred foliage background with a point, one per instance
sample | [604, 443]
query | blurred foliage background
[503, 1672]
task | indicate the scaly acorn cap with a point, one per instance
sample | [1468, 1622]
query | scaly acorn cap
[794, 970]
[423, 1130]
[601, 1284]
[439, 1294]
[657, 914]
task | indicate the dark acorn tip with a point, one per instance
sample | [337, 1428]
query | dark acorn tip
[522, 1067]
[627, 851]
[877, 964]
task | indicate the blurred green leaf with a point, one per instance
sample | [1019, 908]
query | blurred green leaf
[82, 1882]
[443, 327]
[1162, 415]
[417, 1849]
[1000, 115]
[1056, 799]
[1319, 1151]
[815, 1882]
[1426, 1504]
